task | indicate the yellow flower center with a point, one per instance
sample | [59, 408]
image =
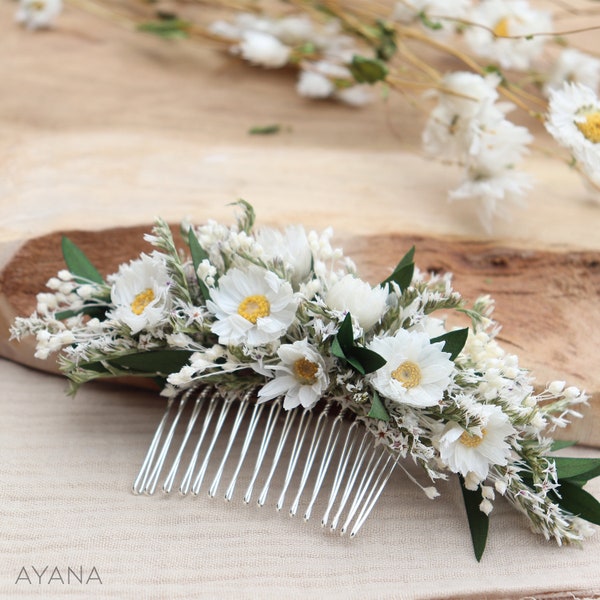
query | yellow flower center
[470, 440]
[253, 308]
[39, 6]
[408, 374]
[501, 28]
[141, 301]
[590, 127]
[305, 371]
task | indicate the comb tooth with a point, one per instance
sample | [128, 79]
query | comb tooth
[139, 485]
[184, 488]
[328, 452]
[303, 426]
[226, 405]
[314, 446]
[349, 443]
[290, 417]
[266, 439]
[254, 419]
[358, 461]
[168, 484]
[363, 486]
[150, 487]
[234, 430]
[374, 494]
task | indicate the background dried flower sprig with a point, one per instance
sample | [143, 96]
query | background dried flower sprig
[477, 61]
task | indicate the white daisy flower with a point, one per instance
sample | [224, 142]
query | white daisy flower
[140, 293]
[574, 122]
[263, 49]
[291, 246]
[38, 14]
[301, 376]
[502, 18]
[357, 297]
[573, 66]
[471, 453]
[416, 373]
[252, 306]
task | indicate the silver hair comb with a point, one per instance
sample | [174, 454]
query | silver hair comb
[205, 440]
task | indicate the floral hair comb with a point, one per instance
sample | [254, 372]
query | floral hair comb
[277, 359]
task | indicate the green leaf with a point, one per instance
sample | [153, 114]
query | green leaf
[355, 364]
[387, 46]
[265, 129]
[367, 70]
[454, 341]
[155, 361]
[560, 444]
[579, 502]
[169, 29]
[378, 409]
[336, 348]
[370, 361]
[360, 358]
[345, 335]
[198, 255]
[99, 312]
[478, 521]
[78, 263]
[403, 273]
[576, 468]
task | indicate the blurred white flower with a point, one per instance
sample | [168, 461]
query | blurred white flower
[355, 95]
[499, 19]
[449, 129]
[573, 66]
[408, 11]
[494, 195]
[312, 84]
[38, 14]
[263, 49]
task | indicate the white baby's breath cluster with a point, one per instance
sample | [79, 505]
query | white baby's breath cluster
[284, 314]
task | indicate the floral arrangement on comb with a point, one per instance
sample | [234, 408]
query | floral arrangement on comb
[284, 314]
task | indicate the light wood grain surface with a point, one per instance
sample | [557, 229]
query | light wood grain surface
[103, 127]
